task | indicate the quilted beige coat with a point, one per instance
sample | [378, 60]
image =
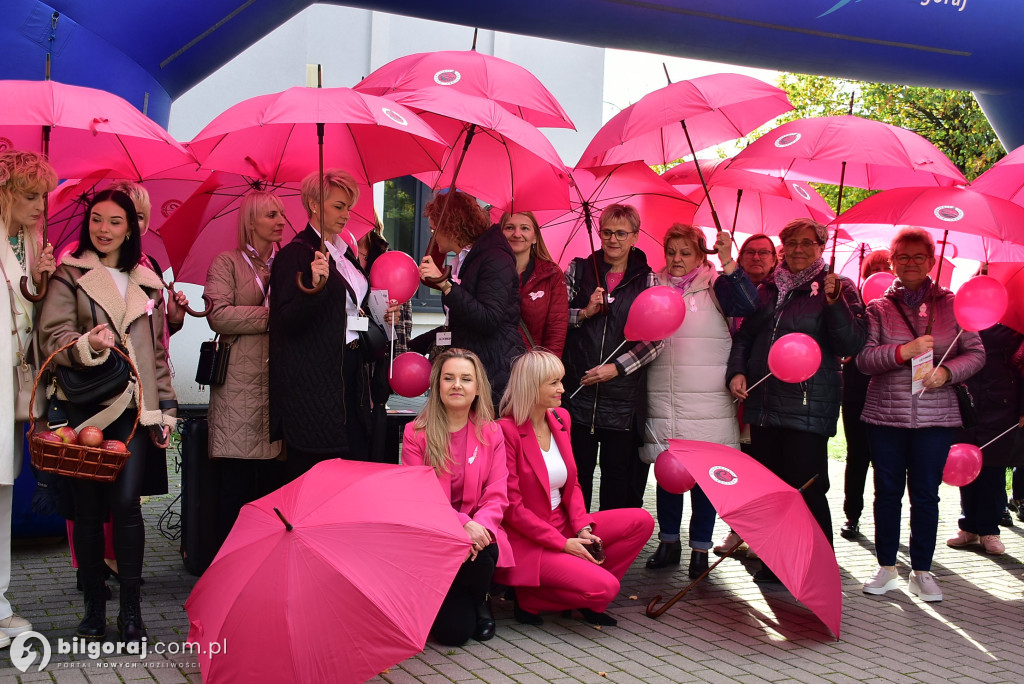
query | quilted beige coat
[239, 412]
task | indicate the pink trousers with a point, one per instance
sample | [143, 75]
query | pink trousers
[567, 581]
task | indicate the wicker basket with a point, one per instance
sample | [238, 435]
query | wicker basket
[75, 460]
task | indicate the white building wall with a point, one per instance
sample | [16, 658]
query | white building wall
[350, 43]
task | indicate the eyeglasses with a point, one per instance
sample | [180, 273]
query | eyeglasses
[904, 259]
[619, 235]
[763, 253]
[803, 244]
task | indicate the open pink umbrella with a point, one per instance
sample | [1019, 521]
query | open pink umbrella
[1005, 178]
[1011, 275]
[332, 578]
[773, 519]
[471, 73]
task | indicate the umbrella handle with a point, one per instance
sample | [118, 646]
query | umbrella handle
[188, 309]
[35, 297]
[309, 290]
[653, 612]
[434, 252]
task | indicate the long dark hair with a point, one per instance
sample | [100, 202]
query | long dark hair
[131, 249]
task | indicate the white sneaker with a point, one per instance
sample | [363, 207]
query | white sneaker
[883, 580]
[924, 586]
[14, 625]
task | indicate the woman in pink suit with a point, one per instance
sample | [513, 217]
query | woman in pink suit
[566, 558]
[456, 436]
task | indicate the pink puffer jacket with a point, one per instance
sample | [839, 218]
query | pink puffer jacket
[889, 401]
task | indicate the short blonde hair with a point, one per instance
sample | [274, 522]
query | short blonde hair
[139, 194]
[796, 225]
[621, 212]
[688, 233]
[913, 235]
[22, 173]
[254, 205]
[529, 372]
[464, 219]
[540, 249]
[336, 178]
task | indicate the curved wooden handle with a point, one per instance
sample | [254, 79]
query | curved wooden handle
[309, 290]
[188, 309]
[435, 253]
[35, 297]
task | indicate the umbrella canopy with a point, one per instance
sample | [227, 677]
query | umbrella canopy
[492, 154]
[1005, 179]
[89, 129]
[852, 151]
[715, 108]
[773, 519]
[1011, 275]
[274, 137]
[332, 578]
[471, 73]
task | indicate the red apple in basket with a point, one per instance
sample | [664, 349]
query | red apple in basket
[50, 436]
[67, 434]
[90, 436]
[114, 445]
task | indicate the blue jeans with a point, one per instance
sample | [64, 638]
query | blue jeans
[908, 460]
[984, 501]
[670, 517]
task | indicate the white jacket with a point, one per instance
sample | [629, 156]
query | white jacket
[686, 393]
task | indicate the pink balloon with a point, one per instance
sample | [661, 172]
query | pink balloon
[962, 465]
[794, 357]
[656, 314]
[980, 303]
[397, 273]
[411, 374]
[672, 474]
[876, 285]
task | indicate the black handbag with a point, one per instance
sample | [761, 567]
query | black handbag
[212, 368]
[968, 411]
[88, 385]
[373, 342]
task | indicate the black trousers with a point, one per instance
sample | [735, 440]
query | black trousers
[456, 620]
[243, 480]
[95, 502]
[858, 460]
[797, 456]
[623, 474]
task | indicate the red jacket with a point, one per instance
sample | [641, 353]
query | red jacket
[544, 307]
[527, 518]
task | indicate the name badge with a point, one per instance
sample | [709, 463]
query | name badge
[358, 323]
[443, 339]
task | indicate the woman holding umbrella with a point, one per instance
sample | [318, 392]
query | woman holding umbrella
[237, 287]
[25, 178]
[610, 408]
[790, 423]
[543, 301]
[455, 435]
[101, 296]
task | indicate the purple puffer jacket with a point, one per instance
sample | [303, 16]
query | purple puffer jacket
[889, 401]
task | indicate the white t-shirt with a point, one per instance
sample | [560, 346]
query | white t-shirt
[120, 280]
[557, 472]
[354, 278]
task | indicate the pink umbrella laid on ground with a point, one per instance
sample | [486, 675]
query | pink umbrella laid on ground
[334, 577]
[773, 519]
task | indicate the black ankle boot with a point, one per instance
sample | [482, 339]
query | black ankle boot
[666, 555]
[484, 621]
[129, 621]
[698, 563]
[94, 623]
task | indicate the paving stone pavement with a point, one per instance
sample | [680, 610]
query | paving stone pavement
[725, 629]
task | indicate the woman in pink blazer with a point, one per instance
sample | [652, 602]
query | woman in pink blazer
[566, 558]
[455, 435]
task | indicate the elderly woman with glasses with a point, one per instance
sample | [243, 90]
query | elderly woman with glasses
[790, 423]
[609, 410]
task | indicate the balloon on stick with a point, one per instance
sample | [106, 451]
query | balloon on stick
[962, 465]
[397, 273]
[794, 357]
[671, 474]
[410, 376]
[980, 303]
[876, 285]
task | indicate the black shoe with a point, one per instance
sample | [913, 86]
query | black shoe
[850, 530]
[667, 554]
[698, 563]
[1006, 520]
[94, 623]
[526, 617]
[484, 621]
[129, 620]
[765, 575]
[595, 618]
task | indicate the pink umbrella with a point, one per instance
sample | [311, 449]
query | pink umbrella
[1011, 275]
[275, 137]
[773, 519]
[1005, 179]
[471, 73]
[492, 154]
[332, 578]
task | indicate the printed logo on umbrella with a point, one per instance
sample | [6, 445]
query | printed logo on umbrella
[447, 77]
[169, 207]
[787, 139]
[802, 191]
[394, 116]
[723, 475]
[5, 144]
[948, 212]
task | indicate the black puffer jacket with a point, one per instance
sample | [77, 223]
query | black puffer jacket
[483, 308]
[620, 403]
[840, 330]
[999, 397]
